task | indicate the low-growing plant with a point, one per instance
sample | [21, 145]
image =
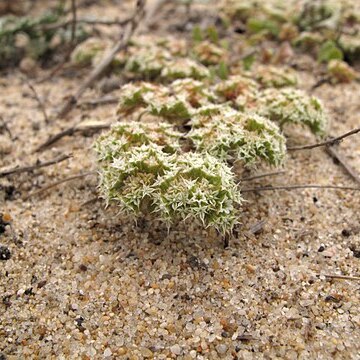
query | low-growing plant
[170, 154]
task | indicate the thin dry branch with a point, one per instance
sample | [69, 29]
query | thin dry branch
[62, 181]
[73, 21]
[295, 187]
[40, 102]
[87, 22]
[342, 161]
[260, 176]
[71, 131]
[340, 277]
[100, 101]
[329, 142]
[37, 165]
[103, 65]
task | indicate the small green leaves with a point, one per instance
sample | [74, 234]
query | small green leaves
[330, 51]
[271, 76]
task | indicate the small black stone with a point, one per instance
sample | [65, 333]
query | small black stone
[82, 267]
[315, 199]
[79, 321]
[321, 248]
[4, 253]
[346, 233]
[9, 191]
[29, 291]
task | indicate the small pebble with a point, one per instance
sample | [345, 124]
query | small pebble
[175, 349]
[107, 352]
[221, 349]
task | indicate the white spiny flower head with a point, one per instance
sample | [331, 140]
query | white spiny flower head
[148, 61]
[85, 52]
[194, 92]
[210, 54]
[126, 135]
[240, 90]
[181, 68]
[200, 187]
[294, 106]
[129, 178]
[229, 134]
[273, 76]
[340, 71]
[137, 95]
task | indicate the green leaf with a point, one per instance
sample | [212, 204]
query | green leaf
[213, 34]
[197, 34]
[257, 25]
[248, 61]
[329, 51]
[223, 71]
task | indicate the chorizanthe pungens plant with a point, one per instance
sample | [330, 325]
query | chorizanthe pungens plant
[170, 154]
[178, 186]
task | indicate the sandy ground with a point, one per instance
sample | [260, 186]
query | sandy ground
[82, 282]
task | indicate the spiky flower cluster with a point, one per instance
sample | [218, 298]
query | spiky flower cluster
[227, 133]
[238, 89]
[173, 186]
[209, 53]
[293, 106]
[147, 58]
[272, 76]
[85, 53]
[174, 103]
[340, 71]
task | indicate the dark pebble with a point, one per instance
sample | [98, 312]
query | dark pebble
[4, 253]
[9, 191]
[346, 233]
[41, 284]
[82, 267]
[321, 248]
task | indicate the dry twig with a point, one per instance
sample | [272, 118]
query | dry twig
[71, 131]
[62, 181]
[41, 104]
[100, 101]
[37, 165]
[341, 277]
[342, 161]
[260, 176]
[73, 21]
[329, 142]
[294, 187]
